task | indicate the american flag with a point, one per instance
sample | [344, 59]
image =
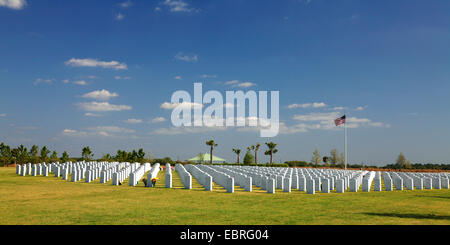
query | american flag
[340, 120]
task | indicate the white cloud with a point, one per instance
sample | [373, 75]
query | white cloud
[208, 76]
[111, 129]
[158, 120]
[338, 108]
[246, 85]
[88, 114]
[105, 131]
[13, 4]
[325, 121]
[187, 130]
[126, 4]
[186, 57]
[65, 81]
[178, 6]
[157, 9]
[178, 78]
[96, 63]
[100, 95]
[81, 82]
[119, 16]
[232, 82]
[71, 132]
[122, 78]
[40, 80]
[171, 106]
[133, 121]
[317, 116]
[360, 108]
[103, 106]
[3, 115]
[308, 105]
[236, 83]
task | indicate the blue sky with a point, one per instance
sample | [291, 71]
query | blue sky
[97, 73]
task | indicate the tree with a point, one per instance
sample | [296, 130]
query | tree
[401, 161]
[44, 154]
[6, 155]
[256, 149]
[342, 160]
[212, 144]
[34, 154]
[272, 150]
[14, 155]
[65, 157]
[325, 160]
[334, 156]
[249, 158]
[201, 157]
[54, 156]
[238, 152]
[316, 157]
[22, 155]
[86, 153]
[141, 155]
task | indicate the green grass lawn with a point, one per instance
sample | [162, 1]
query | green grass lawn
[50, 200]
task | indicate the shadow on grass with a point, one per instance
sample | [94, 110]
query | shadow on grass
[442, 197]
[412, 216]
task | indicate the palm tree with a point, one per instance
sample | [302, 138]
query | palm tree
[34, 154]
[65, 157]
[238, 152]
[256, 152]
[86, 153]
[44, 153]
[22, 156]
[212, 144]
[5, 151]
[272, 150]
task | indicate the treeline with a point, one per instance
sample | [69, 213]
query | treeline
[21, 155]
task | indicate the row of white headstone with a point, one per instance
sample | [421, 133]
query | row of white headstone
[269, 179]
[313, 180]
[90, 171]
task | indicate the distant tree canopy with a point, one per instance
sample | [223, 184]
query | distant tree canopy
[249, 158]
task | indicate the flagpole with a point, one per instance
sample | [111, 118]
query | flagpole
[345, 140]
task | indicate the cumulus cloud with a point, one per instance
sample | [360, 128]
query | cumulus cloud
[171, 106]
[186, 57]
[80, 82]
[119, 16]
[105, 131]
[208, 76]
[307, 105]
[122, 78]
[178, 6]
[100, 95]
[360, 108]
[40, 80]
[13, 4]
[236, 83]
[246, 85]
[89, 114]
[325, 121]
[96, 63]
[133, 121]
[126, 4]
[158, 120]
[103, 106]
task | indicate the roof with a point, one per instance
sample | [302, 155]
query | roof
[207, 158]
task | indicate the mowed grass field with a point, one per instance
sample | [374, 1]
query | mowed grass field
[53, 201]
